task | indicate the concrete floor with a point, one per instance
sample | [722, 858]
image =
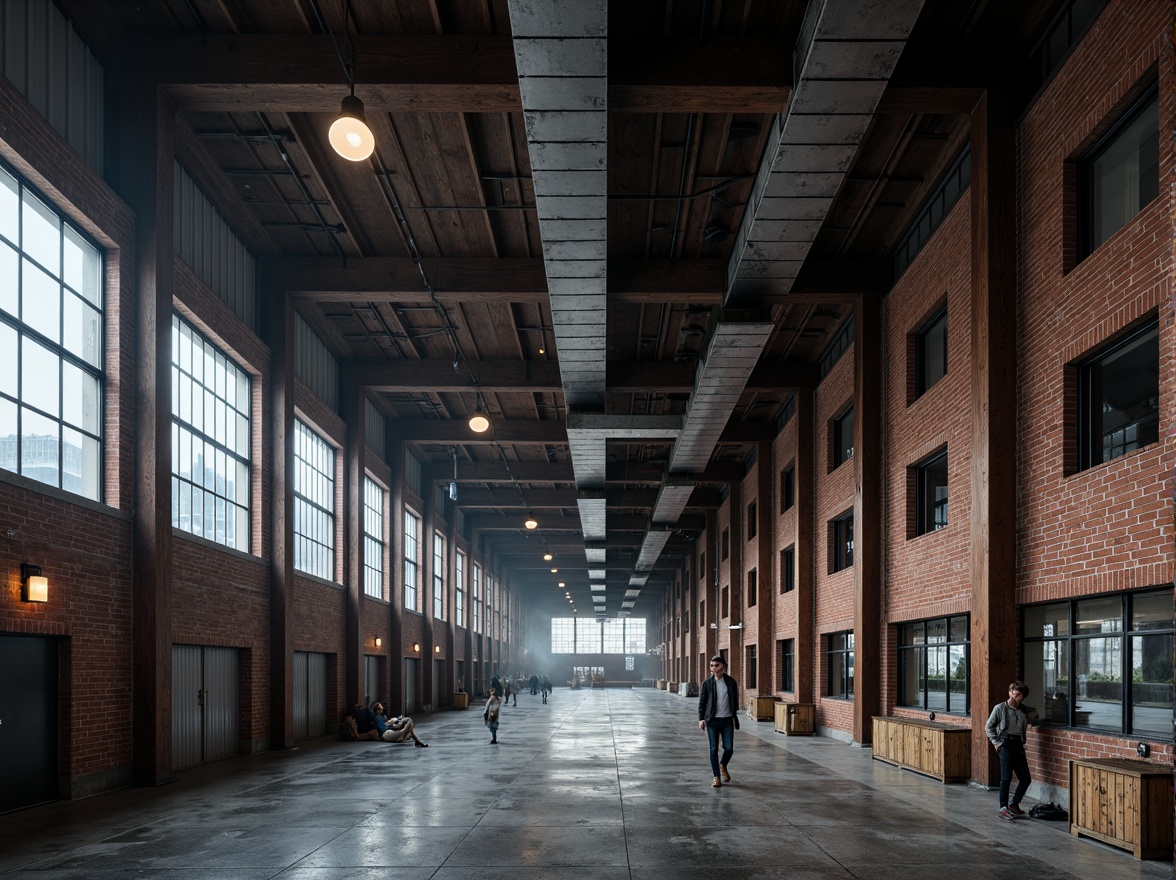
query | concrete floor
[596, 785]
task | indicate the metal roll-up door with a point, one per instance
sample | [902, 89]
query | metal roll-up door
[301, 697]
[316, 692]
[221, 712]
[206, 716]
[187, 720]
[371, 680]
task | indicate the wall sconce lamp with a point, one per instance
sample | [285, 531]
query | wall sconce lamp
[416, 646]
[379, 642]
[34, 585]
[436, 649]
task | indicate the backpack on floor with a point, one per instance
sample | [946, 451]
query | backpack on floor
[1048, 811]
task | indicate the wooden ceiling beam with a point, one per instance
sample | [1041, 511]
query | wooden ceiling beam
[393, 376]
[300, 73]
[623, 472]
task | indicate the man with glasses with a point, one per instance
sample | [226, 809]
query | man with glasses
[718, 715]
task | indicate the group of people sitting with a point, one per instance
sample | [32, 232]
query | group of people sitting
[373, 724]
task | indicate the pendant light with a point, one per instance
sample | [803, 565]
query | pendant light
[349, 134]
[480, 422]
[531, 522]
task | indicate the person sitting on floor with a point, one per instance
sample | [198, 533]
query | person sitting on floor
[365, 722]
[397, 729]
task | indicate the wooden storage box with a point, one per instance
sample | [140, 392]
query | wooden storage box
[1123, 802]
[796, 719]
[661, 684]
[943, 751]
[761, 708]
[461, 700]
[672, 687]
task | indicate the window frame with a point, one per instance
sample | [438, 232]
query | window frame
[373, 540]
[786, 651]
[937, 320]
[752, 588]
[787, 569]
[752, 524]
[841, 542]
[788, 488]
[843, 688]
[438, 575]
[841, 453]
[928, 520]
[920, 652]
[306, 437]
[23, 401]
[412, 561]
[459, 588]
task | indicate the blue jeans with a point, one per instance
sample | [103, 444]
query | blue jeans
[724, 728]
[1012, 760]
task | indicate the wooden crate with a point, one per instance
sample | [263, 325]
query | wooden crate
[796, 719]
[943, 751]
[1123, 802]
[461, 700]
[761, 708]
[661, 684]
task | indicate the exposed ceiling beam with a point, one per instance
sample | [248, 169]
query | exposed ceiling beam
[388, 376]
[640, 377]
[538, 499]
[300, 73]
[458, 432]
[571, 523]
[623, 472]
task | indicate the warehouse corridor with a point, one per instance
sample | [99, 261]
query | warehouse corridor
[596, 785]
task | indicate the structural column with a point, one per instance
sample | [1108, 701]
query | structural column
[147, 159]
[867, 516]
[994, 418]
[355, 417]
[279, 312]
[768, 593]
[395, 458]
[805, 650]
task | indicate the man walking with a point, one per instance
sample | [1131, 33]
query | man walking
[718, 715]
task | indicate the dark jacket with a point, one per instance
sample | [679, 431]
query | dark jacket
[707, 698]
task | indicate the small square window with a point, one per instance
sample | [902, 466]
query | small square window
[841, 537]
[1119, 398]
[931, 352]
[843, 438]
[787, 569]
[931, 494]
[1120, 176]
[752, 509]
[787, 488]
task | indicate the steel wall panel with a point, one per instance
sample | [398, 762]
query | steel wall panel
[221, 712]
[301, 713]
[377, 429]
[316, 692]
[315, 364]
[187, 681]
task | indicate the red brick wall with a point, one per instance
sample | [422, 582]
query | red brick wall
[784, 534]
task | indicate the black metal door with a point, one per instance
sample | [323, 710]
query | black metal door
[28, 721]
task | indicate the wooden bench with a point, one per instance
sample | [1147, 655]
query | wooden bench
[943, 751]
[1123, 802]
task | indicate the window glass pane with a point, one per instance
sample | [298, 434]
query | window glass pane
[82, 331]
[937, 679]
[40, 377]
[936, 631]
[1152, 611]
[8, 349]
[9, 207]
[1098, 664]
[83, 266]
[1124, 175]
[9, 280]
[1102, 615]
[41, 233]
[931, 353]
[40, 442]
[957, 670]
[81, 398]
[1047, 620]
[8, 435]
[40, 299]
[1047, 672]
[959, 629]
[911, 678]
[1151, 684]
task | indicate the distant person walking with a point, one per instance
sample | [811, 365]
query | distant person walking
[718, 715]
[1006, 728]
[546, 687]
[493, 708]
[533, 681]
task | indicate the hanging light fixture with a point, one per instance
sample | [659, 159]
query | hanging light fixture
[480, 423]
[453, 483]
[555, 571]
[547, 557]
[349, 134]
[531, 522]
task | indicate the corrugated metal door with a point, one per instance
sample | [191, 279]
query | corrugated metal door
[410, 686]
[301, 703]
[371, 679]
[316, 690]
[221, 715]
[206, 720]
[440, 685]
[187, 725]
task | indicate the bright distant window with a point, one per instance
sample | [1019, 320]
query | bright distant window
[314, 503]
[412, 560]
[51, 365]
[373, 538]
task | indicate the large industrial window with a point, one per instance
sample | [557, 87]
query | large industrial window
[1120, 176]
[1119, 398]
[787, 487]
[843, 438]
[931, 494]
[373, 538]
[50, 345]
[210, 440]
[841, 538]
[839, 663]
[586, 635]
[314, 503]
[931, 352]
[459, 588]
[438, 576]
[477, 588]
[1103, 663]
[412, 560]
[933, 665]
[786, 651]
[788, 569]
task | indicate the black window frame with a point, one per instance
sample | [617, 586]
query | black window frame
[843, 453]
[922, 365]
[787, 488]
[1085, 243]
[788, 569]
[1091, 401]
[917, 653]
[928, 512]
[752, 588]
[752, 666]
[725, 603]
[786, 651]
[725, 545]
[752, 525]
[843, 687]
[1067, 711]
[841, 540]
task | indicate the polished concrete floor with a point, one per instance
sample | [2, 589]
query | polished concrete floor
[596, 785]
